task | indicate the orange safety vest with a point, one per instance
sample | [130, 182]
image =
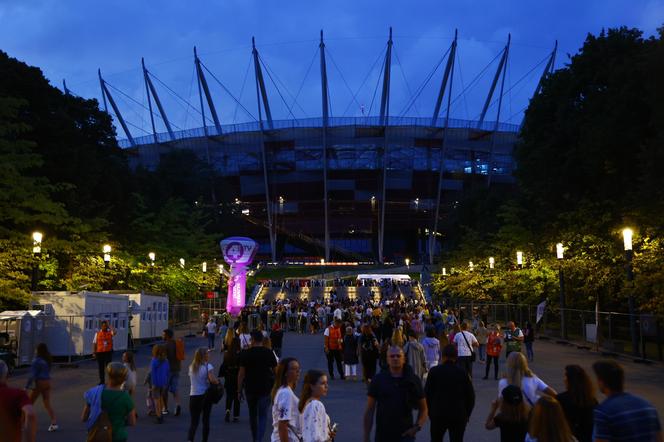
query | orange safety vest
[334, 340]
[104, 341]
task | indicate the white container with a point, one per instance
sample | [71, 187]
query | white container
[73, 319]
[149, 315]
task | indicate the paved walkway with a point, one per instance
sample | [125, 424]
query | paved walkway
[345, 402]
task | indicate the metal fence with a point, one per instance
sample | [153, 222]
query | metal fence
[608, 332]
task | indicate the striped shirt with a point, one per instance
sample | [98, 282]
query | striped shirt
[623, 417]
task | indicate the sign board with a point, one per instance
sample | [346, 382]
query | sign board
[541, 307]
[238, 252]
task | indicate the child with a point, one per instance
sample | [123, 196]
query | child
[159, 370]
[129, 384]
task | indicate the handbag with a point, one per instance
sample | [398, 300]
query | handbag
[473, 356]
[214, 393]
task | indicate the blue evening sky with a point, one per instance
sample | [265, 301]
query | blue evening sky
[72, 38]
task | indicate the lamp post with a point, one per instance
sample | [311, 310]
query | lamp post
[182, 262]
[107, 255]
[152, 257]
[519, 259]
[560, 254]
[36, 252]
[407, 261]
[471, 266]
[492, 262]
[629, 254]
[322, 264]
[444, 271]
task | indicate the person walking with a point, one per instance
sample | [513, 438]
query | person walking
[578, 402]
[255, 377]
[450, 397]
[431, 348]
[159, 370]
[102, 345]
[482, 334]
[622, 416]
[392, 396]
[40, 376]
[414, 352]
[528, 339]
[333, 344]
[465, 342]
[117, 404]
[350, 354]
[211, 331]
[244, 335]
[228, 371]
[286, 418]
[519, 374]
[548, 424]
[129, 384]
[513, 416]
[174, 368]
[277, 338]
[494, 346]
[17, 415]
[369, 350]
[513, 339]
[316, 425]
[201, 376]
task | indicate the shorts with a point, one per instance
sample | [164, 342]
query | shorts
[173, 382]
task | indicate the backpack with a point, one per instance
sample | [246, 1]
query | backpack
[102, 430]
[179, 349]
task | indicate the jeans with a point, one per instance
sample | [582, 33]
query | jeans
[210, 337]
[197, 406]
[439, 426]
[259, 407]
[529, 351]
[103, 359]
[334, 355]
[482, 352]
[488, 365]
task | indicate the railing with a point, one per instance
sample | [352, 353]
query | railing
[254, 126]
[612, 336]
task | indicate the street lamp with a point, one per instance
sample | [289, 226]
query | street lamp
[152, 256]
[444, 271]
[629, 254]
[204, 267]
[519, 259]
[560, 253]
[471, 266]
[182, 262]
[36, 252]
[492, 262]
[407, 260]
[322, 264]
[107, 255]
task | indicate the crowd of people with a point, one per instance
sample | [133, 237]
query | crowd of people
[416, 360]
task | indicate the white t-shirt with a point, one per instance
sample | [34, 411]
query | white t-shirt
[211, 327]
[530, 387]
[338, 313]
[315, 422]
[464, 349]
[285, 409]
[199, 380]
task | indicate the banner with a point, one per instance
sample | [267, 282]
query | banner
[540, 310]
[238, 252]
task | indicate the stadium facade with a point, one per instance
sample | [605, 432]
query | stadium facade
[343, 189]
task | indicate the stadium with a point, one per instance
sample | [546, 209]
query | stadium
[345, 189]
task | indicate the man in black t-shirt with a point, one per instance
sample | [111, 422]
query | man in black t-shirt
[392, 396]
[256, 377]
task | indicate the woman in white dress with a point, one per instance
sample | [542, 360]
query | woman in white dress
[315, 421]
[286, 419]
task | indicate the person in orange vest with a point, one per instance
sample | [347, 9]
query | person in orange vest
[333, 346]
[102, 346]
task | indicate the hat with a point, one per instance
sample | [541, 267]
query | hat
[512, 395]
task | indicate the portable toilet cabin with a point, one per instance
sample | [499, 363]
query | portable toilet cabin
[25, 329]
[73, 319]
[149, 314]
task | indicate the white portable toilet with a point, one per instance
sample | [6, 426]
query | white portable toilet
[26, 327]
[73, 319]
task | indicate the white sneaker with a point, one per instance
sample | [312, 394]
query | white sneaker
[53, 427]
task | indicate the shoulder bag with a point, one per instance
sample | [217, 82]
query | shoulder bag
[473, 356]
